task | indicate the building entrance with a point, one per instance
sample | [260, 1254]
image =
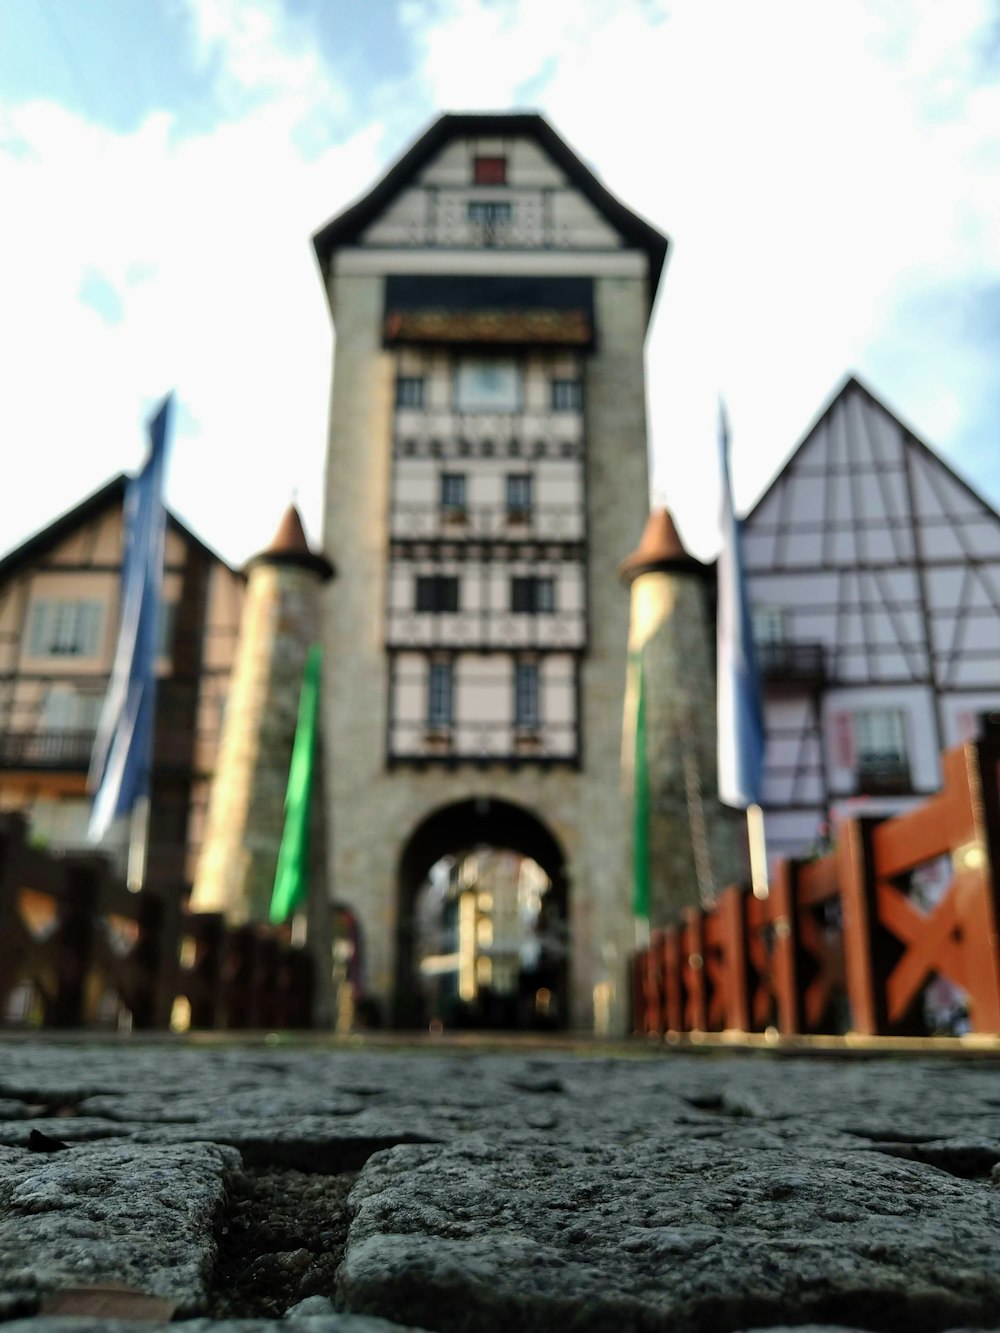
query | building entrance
[483, 921]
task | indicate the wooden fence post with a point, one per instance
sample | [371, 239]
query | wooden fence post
[865, 969]
[266, 999]
[74, 943]
[11, 839]
[205, 982]
[637, 984]
[693, 967]
[673, 1000]
[238, 977]
[983, 897]
[731, 913]
[786, 979]
[653, 1015]
[148, 963]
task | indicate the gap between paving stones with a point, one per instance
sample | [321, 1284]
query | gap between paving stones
[280, 1240]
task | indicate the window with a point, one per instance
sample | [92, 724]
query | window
[437, 592]
[409, 391]
[768, 624]
[526, 694]
[453, 490]
[489, 171]
[567, 396]
[439, 695]
[880, 746]
[532, 595]
[489, 214]
[519, 494]
[487, 386]
[165, 629]
[65, 629]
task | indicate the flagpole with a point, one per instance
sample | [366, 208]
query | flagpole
[741, 731]
[138, 844]
[758, 852]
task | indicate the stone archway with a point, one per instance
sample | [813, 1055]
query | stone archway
[538, 996]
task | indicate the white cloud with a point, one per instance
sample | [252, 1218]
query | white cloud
[205, 240]
[822, 169]
[813, 164]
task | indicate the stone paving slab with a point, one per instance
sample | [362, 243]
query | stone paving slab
[336, 1323]
[513, 1190]
[685, 1235]
[121, 1212]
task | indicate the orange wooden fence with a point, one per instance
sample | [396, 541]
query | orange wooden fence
[844, 942]
[78, 950]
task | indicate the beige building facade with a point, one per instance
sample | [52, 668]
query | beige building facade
[59, 596]
[487, 472]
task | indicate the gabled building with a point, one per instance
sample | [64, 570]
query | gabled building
[59, 596]
[874, 575]
[487, 472]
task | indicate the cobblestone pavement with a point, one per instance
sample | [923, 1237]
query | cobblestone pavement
[378, 1190]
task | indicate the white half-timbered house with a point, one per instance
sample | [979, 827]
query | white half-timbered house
[874, 575]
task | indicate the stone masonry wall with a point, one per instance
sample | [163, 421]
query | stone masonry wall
[239, 853]
[374, 811]
[669, 627]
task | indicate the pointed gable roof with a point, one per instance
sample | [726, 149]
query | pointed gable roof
[853, 384]
[347, 226]
[862, 490]
[109, 496]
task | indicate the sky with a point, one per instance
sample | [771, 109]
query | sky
[828, 172]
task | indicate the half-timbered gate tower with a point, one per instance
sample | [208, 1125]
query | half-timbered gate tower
[487, 472]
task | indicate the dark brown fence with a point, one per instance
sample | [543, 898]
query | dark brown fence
[845, 942]
[78, 950]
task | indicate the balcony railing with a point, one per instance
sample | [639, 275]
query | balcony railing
[883, 775]
[486, 629]
[792, 662]
[46, 749]
[72, 750]
[425, 522]
[471, 740]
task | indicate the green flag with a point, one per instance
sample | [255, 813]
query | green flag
[291, 880]
[640, 801]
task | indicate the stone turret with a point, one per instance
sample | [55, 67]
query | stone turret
[281, 618]
[694, 842]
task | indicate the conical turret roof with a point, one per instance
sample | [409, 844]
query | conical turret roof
[290, 537]
[660, 548]
[290, 546]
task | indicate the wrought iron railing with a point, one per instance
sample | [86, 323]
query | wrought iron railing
[792, 661]
[46, 749]
[883, 774]
[72, 750]
[479, 740]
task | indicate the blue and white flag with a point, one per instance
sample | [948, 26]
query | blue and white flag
[120, 764]
[740, 714]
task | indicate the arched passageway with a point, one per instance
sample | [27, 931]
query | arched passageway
[483, 910]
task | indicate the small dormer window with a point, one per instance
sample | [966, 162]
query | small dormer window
[490, 171]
